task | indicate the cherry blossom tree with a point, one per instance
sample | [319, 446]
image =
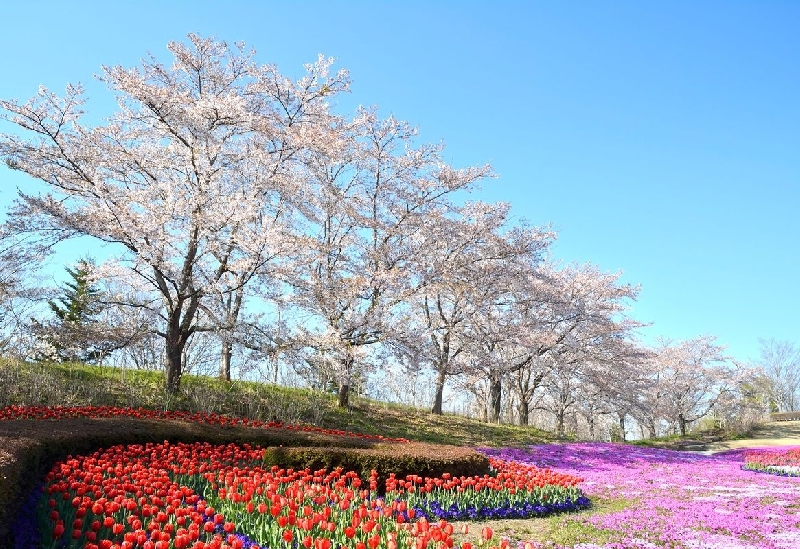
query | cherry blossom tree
[589, 372]
[257, 284]
[191, 178]
[622, 388]
[501, 327]
[20, 286]
[645, 400]
[527, 383]
[556, 317]
[374, 191]
[456, 272]
[594, 406]
[692, 376]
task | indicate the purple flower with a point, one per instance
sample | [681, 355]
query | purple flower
[677, 499]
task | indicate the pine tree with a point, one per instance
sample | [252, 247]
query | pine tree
[79, 302]
[73, 334]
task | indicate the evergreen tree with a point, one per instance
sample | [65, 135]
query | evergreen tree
[74, 334]
[79, 301]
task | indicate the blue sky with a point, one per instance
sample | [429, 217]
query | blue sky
[659, 139]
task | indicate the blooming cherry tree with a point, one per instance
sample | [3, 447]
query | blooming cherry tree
[566, 317]
[191, 178]
[20, 288]
[461, 269]
[374, 191]
[692, 376]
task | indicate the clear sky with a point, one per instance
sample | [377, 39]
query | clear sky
[659, 139]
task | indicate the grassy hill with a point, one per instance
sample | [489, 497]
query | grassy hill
[76, 384]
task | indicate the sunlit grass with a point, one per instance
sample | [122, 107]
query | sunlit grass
[74, 384]
[558, 530]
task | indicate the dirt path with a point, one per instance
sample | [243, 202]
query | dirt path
[774, 433]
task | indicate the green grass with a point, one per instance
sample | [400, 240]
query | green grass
[564, 530]
[74, 384]
[573, 529]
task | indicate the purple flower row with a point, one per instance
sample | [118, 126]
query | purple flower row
[507, 511]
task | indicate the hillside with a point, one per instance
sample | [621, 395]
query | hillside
[79, 384]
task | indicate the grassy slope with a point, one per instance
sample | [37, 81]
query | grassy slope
[78, 384]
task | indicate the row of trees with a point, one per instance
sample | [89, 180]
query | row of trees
[244, 210]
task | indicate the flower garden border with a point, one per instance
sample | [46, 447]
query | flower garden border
[29, 447]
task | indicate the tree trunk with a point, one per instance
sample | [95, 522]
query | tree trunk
[682, 424]
[344, 395]
[226, 354]
[437, 399]
[174, 354]
[344, 382]
[523, 392]
[560, 423]
[621, 426]
[178, 332]
[233, 306]
[495, 397]
[524, 411]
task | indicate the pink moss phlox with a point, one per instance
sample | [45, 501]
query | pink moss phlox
[678, 499]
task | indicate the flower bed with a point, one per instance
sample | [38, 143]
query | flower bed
[782, 462]
[164, 496]
[67, 412]
[29, 447]
[204, 496]
[200, 495]
[674, 499]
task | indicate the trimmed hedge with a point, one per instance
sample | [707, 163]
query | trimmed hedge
[411, 458]
[30, 448]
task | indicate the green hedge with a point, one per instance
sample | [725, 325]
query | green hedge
[425, 460]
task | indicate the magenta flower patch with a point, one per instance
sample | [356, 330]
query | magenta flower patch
[679, 499]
